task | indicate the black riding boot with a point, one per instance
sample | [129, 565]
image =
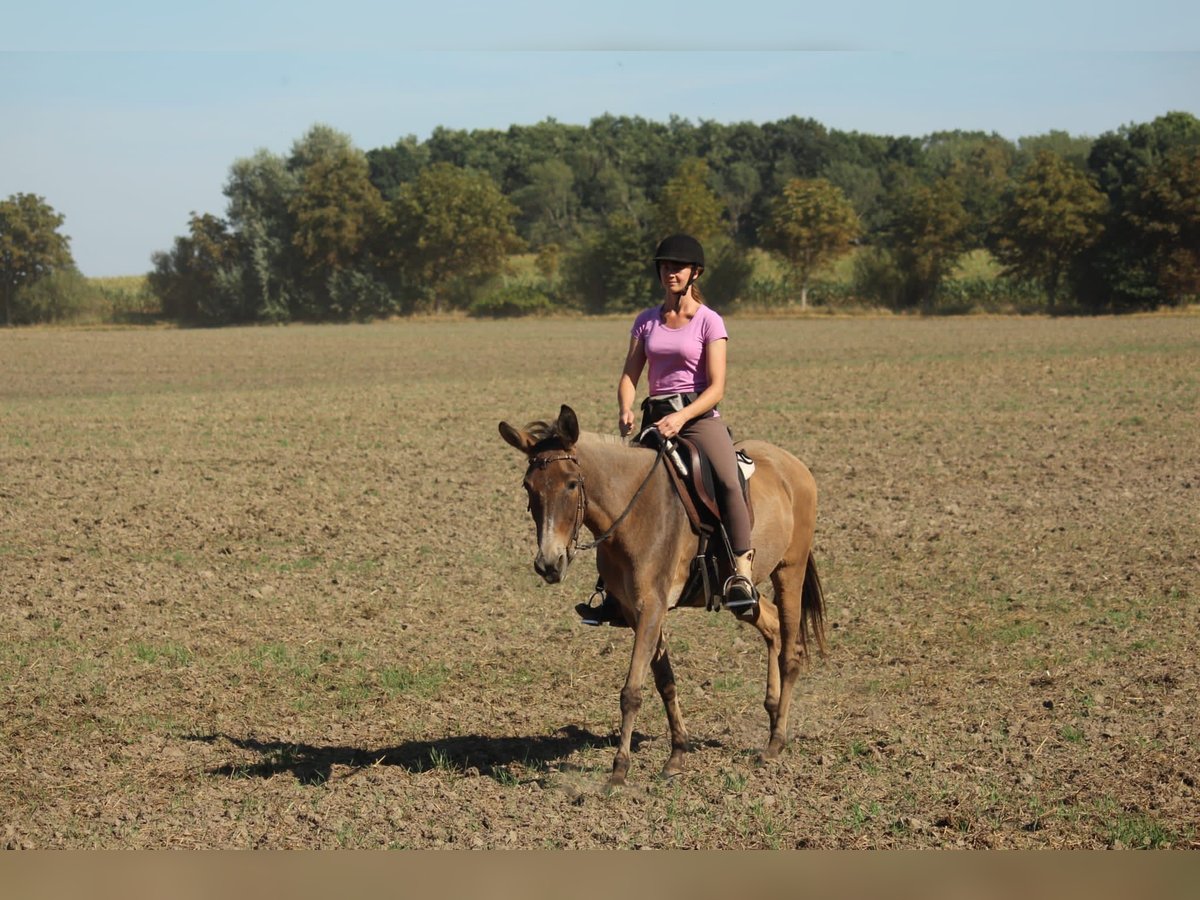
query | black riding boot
[606, 612]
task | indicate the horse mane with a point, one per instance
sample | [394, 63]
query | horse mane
[543, 432]
[547, 434]
[604, 438]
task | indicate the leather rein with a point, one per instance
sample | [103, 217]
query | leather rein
[541, 462]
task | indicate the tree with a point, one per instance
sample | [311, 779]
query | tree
[260, 190]
[738, 188]
[688, 204]
[927, 234]
[336, 211]
[1122, 271]
[549, 202]
[1052, 215]
[337, 218]
[392, 167]
[796, 148]
[452, 224]
[863, 187]
[31, 247]
[610, 270]
[811, 223]
[1165, 208]
[1074, 150]
[198, 279]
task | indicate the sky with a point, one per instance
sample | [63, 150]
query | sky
[126, 116]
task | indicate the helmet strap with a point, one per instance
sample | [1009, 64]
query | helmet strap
[695, 274]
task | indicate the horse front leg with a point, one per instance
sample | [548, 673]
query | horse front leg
[664, 680]
[645, 641]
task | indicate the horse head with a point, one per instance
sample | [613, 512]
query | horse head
[554, 483]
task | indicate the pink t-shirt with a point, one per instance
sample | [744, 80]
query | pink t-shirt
[676, 356]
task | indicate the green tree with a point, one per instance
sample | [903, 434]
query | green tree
[610, 269]
[1165, 209]
[927, 234]
[452, 225]
[811, 223]
[549, 204]
[336, 211]
[198, 280]
[1052, 215]
[337, 217]
[1121, 271]
[31, 247]
[688, 204]
[260, 190]
[1074, 150]
[739, 185]
[395, 166]
[863, 187]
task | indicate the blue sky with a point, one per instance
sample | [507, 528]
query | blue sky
[127, 117]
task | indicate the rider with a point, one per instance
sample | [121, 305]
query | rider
[684, 343]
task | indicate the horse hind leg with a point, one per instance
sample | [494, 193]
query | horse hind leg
[664, 680]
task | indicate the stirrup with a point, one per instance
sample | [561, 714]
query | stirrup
[746, 596]
[606, 612]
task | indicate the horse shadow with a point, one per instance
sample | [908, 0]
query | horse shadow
[313, 764]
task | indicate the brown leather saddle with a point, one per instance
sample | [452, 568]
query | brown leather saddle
[695, 481]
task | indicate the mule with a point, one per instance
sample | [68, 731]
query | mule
[644, 548]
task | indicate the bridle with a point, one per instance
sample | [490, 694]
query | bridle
[542, 462]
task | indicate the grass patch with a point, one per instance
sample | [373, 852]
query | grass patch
[170, 653]
[424, 682]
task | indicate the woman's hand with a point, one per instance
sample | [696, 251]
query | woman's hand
[670, 425]
[625, 422]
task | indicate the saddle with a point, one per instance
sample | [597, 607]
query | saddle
[695, 480]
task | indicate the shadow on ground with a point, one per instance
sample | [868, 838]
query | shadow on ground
[488, 755]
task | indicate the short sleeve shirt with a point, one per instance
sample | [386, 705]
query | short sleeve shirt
[677, 357]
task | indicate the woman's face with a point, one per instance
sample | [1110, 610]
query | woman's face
[674, 275]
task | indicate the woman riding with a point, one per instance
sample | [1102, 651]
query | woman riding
[684, 343]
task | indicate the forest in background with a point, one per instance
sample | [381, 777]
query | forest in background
[553, 217]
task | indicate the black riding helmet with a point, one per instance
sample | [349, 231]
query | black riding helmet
[679, 248]
[682, 248]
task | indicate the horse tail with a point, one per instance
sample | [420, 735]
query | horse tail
[812, 608]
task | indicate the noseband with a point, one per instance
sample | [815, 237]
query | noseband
[541, 462]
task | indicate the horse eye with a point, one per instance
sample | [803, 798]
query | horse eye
[572, 484]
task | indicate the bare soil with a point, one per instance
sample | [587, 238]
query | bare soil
[273, 588]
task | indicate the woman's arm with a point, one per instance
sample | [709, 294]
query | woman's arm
[635, 361]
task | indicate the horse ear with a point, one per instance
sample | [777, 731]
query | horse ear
[516, 437]
[568, 425]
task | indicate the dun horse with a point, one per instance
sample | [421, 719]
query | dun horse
[577, 480]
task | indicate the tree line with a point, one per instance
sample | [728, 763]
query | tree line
[328, 231]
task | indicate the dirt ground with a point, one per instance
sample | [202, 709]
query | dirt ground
[272, 587]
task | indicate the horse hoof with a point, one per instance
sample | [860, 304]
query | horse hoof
[768, 754]
[670, 773]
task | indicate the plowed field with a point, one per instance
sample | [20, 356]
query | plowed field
[272, 587]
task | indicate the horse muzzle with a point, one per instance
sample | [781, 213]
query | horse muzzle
[551, 568]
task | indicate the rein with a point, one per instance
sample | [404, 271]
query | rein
[581, 509]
